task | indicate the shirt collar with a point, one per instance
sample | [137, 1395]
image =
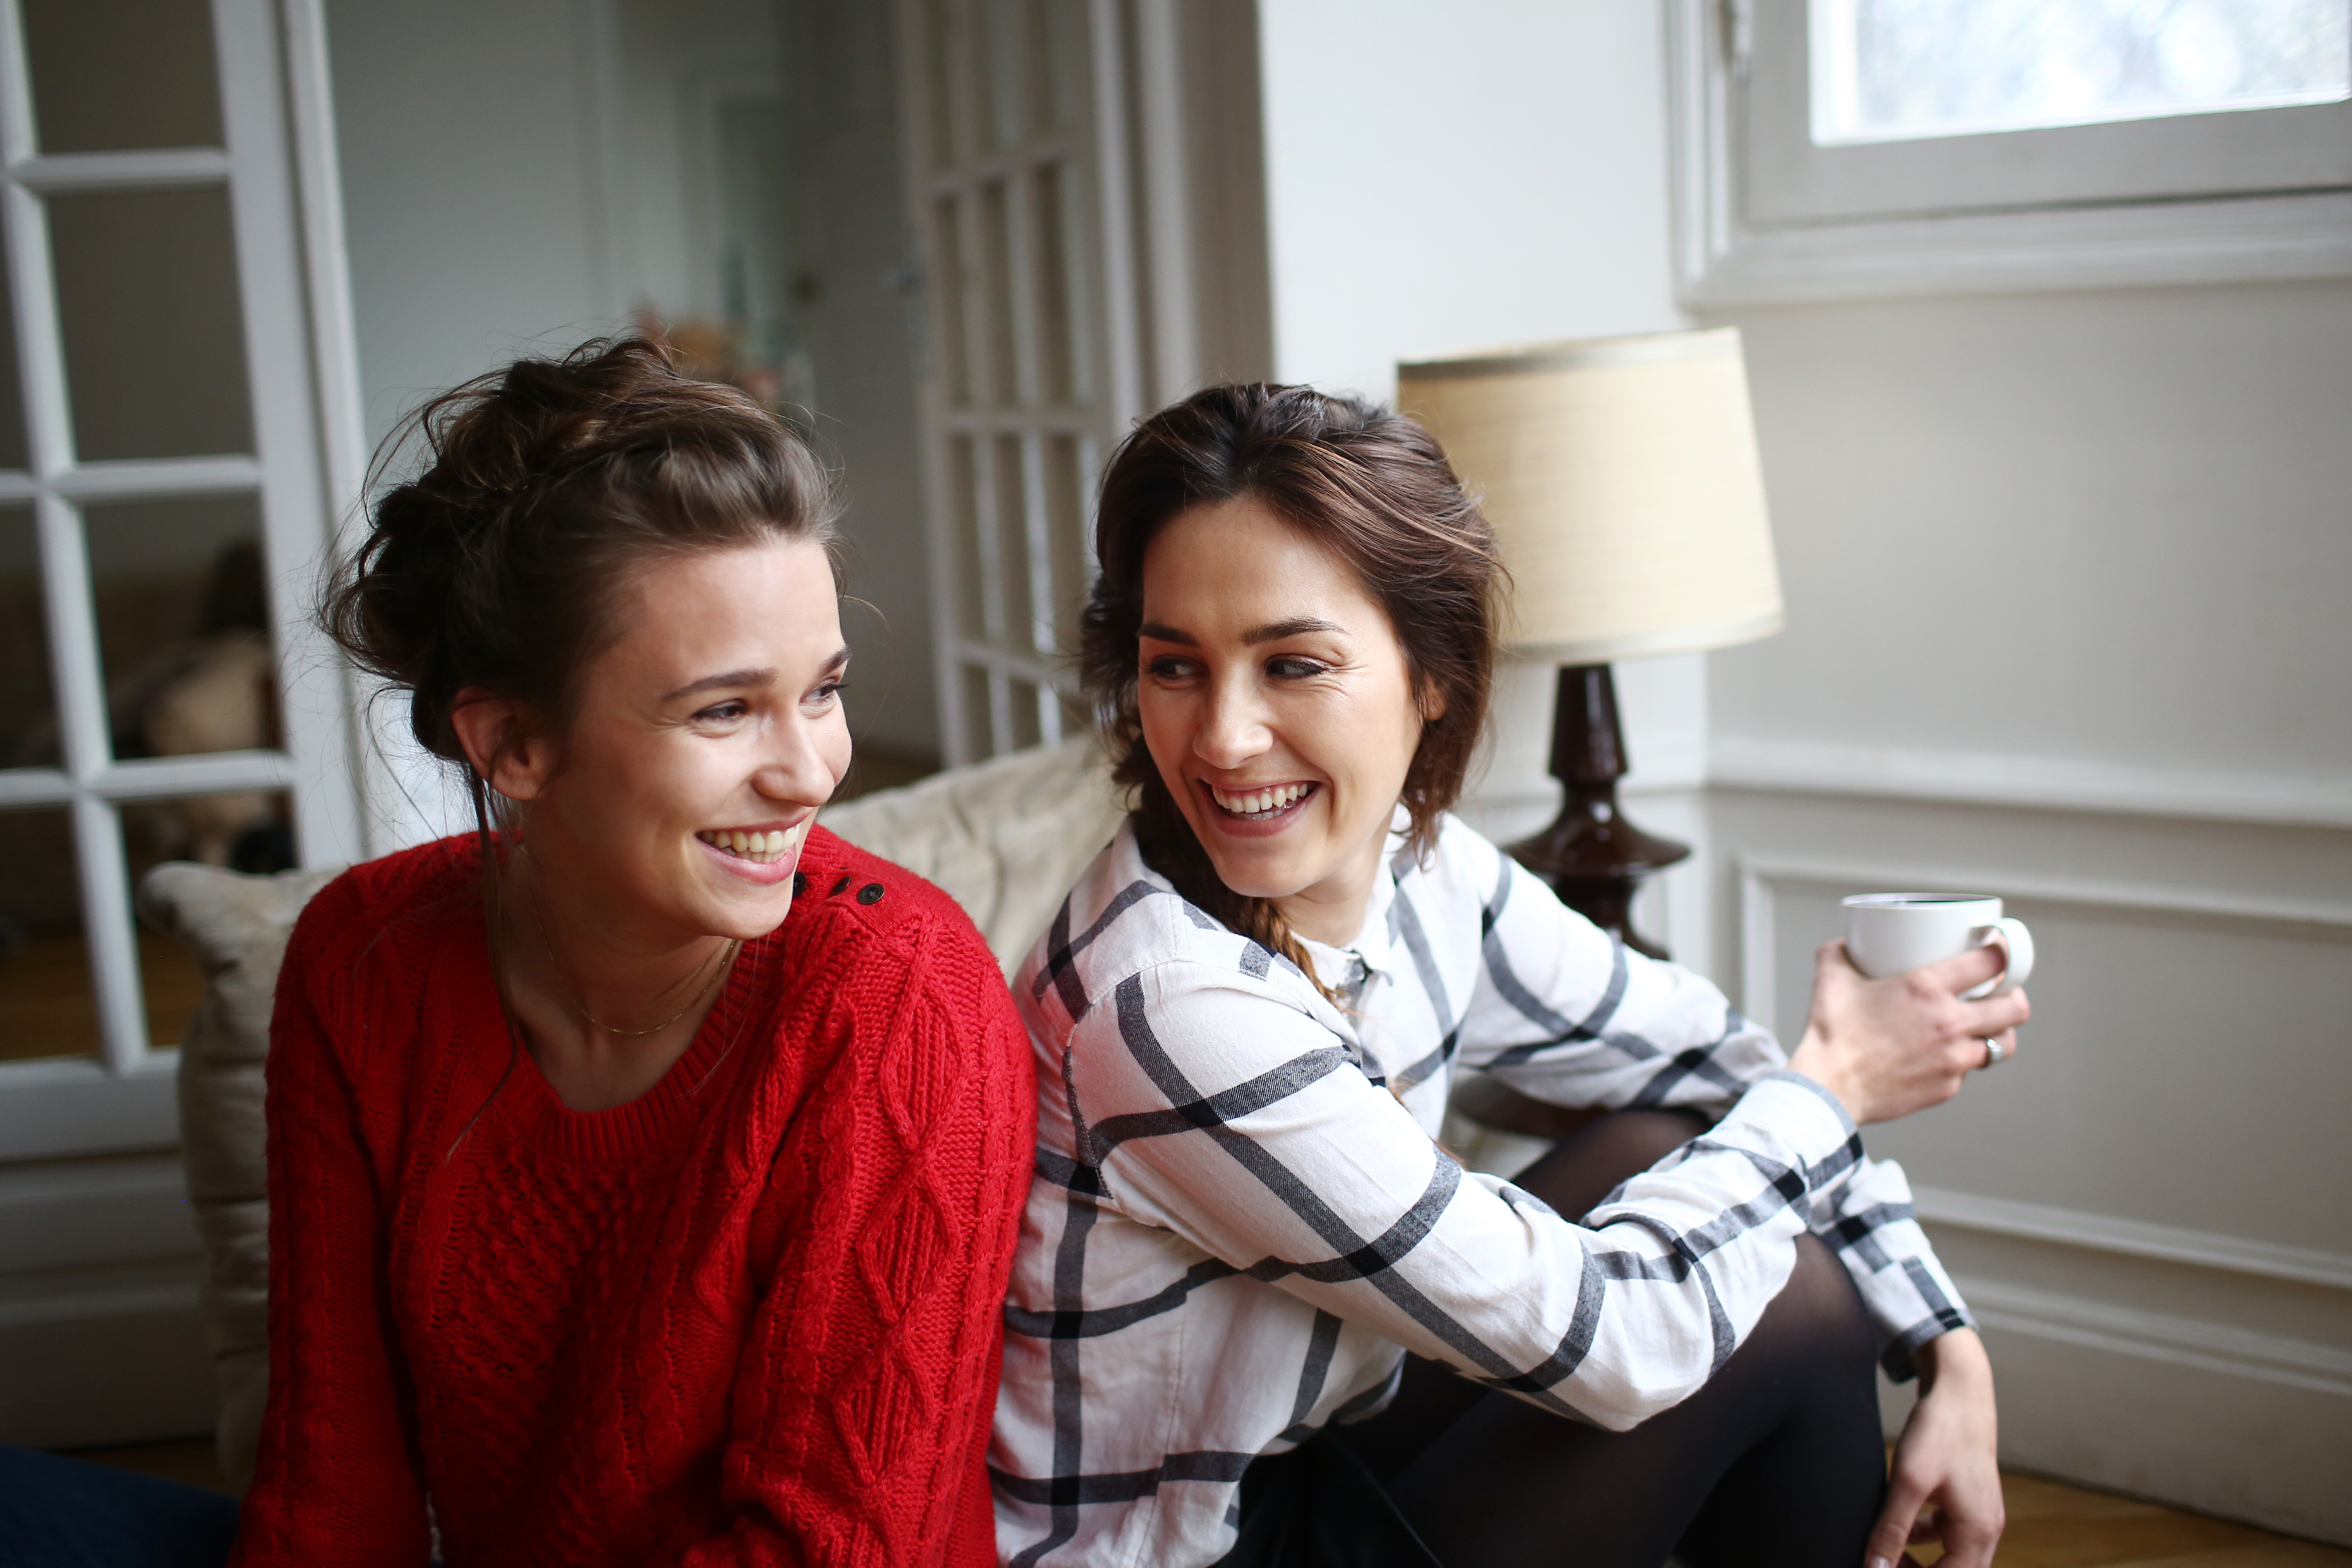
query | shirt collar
[1374, 944]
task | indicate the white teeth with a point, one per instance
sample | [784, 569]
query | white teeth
[761, 846]
[1256, 803]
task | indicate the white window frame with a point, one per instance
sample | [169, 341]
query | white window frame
[277, 164]
[1762, 217]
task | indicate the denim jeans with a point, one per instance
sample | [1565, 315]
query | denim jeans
[57, 1512]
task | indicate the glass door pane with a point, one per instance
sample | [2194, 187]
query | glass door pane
[15, 453]
[245, 831]
[48, 1007]
[183, 625]
[29, 715]
[111, 76]
[155, 340]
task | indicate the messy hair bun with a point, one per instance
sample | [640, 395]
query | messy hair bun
[497, 567]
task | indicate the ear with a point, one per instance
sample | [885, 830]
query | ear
[511, 755]
[1430, 701]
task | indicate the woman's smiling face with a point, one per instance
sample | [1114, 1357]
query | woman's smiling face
[1278, 707]
[704, 739]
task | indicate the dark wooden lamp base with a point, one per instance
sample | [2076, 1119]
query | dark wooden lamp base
[1592, 857]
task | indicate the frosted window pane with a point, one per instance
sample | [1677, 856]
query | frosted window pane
[1886, 70]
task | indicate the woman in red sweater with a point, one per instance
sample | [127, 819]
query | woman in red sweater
[644, 1167]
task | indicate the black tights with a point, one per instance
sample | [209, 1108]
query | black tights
[1776, 1460]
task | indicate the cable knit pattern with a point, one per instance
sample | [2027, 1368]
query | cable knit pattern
[753, 1317]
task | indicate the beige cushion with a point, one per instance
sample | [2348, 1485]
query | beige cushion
[1005, 838]
[236, 927]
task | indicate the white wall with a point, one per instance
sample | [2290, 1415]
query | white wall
[472, 190]
[2100, 529]
[520, 177]
[2065, 575]
[1447, 178]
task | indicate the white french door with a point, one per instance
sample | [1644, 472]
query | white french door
[174, 434]
[1057, 155]
[1028, 375]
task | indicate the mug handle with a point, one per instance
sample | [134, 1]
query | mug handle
[2017, 943]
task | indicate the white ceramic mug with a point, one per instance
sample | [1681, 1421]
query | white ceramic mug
[1888, 933]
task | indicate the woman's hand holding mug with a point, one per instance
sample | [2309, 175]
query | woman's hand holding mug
[1889, 1046]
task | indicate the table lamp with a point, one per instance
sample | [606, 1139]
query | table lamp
[1622, 480]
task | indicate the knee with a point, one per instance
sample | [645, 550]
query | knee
[1820, 1305]
[1582, 1170]
[1651, 1135]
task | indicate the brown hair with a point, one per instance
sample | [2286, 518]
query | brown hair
[1375, 489]
[500, 565]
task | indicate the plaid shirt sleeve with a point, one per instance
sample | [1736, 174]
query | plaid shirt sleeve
[1565, 1013]
[1215, 1104]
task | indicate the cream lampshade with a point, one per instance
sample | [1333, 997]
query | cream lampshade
[1622, 480]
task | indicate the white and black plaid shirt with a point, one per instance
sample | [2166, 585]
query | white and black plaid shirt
[1241, 1219]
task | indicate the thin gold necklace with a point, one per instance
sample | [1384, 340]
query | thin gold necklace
[716, 968]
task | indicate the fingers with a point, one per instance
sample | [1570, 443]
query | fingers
[1996, 1014]
[1970, 969]
[1968, 1541]
[1905, 1497]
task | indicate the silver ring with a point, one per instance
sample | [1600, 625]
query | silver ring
[1993, 1054]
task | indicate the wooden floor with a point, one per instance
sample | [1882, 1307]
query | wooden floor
[48, 1009]
[2055, 1526]
[2049, 1525]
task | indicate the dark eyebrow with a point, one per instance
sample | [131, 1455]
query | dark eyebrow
[733, 677]
[1275, 631]
[727, 677]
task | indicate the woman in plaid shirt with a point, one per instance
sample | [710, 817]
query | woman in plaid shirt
[1248, 1013]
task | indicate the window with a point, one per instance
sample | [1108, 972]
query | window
[1885, 71]
[1887, 146]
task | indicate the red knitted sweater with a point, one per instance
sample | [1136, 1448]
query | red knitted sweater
[752, 1317]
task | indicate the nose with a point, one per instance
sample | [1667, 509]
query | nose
[795, 771]
[1233, 728]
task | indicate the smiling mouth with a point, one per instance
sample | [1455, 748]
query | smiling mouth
[759, 848]
[1260, 804]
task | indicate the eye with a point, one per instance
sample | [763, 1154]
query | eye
[1291, 666]
[725, 713]
[1170, 667]
[826, 693]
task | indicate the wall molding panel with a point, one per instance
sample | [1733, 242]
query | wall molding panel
[101, 1338]
[2134, 1238]
[1757, 875]
[2160, 1336]
[2176, 1362]
[1985, 778]
[116, 1354]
